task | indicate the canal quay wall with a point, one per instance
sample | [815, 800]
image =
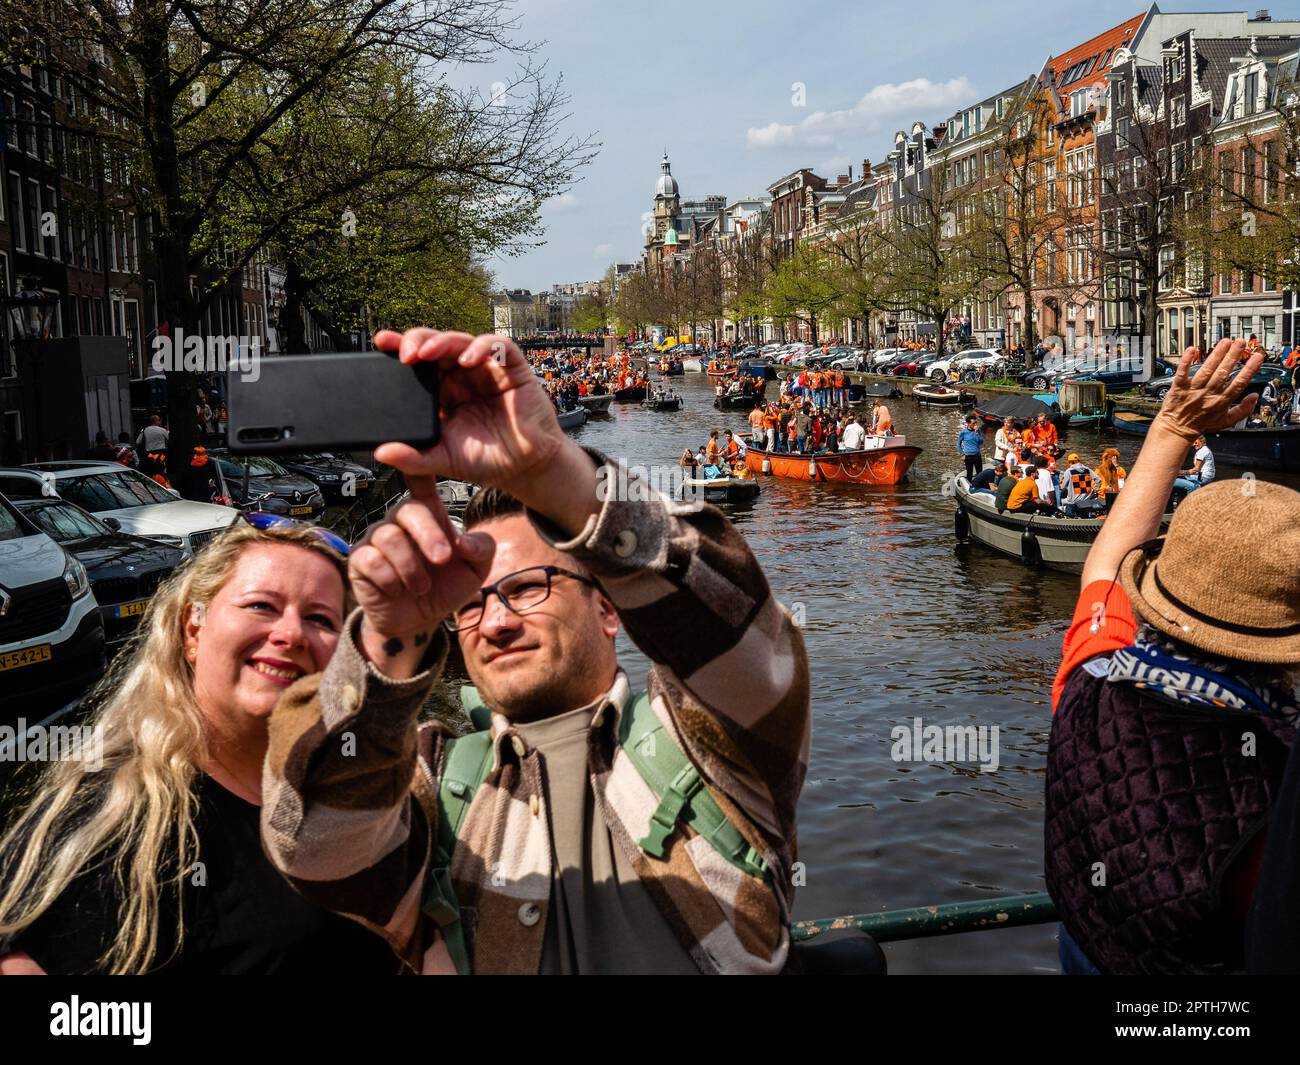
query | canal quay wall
[905, 385]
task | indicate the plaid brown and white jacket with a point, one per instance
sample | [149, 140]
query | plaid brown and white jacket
[350, 778]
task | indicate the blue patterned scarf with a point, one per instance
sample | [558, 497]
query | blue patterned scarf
[1212, 684]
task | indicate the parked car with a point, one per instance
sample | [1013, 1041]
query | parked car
[916, 364]
[139, 505]
[275, 489]
[51, 634]
[124, 570]
[339, 478]
[1115, 379]
[883, 355]
[971, 359]
[1158, 387]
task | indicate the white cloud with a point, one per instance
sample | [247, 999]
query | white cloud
[882, 107]
[566, 201]
[600, 251]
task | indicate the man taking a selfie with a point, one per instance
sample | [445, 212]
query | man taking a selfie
[589, 827]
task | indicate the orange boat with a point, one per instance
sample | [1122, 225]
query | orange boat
[887, 464]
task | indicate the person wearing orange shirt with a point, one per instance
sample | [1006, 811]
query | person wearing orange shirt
[712, 450]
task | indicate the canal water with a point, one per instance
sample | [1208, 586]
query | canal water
[901, 623]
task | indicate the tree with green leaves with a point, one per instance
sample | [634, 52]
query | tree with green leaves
[199, 101]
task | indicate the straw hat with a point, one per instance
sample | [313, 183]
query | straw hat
[1226, 577]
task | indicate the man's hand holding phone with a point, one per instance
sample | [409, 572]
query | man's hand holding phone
[499, 429]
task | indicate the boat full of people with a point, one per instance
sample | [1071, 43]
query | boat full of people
[881, 461]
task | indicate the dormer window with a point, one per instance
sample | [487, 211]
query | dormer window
[1176, 68]
[1122, 86]
[1251, 95]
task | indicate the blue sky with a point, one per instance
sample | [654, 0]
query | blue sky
[714, 82]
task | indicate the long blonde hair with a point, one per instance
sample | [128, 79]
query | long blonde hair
[140, 806]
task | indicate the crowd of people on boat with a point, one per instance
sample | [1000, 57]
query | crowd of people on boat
[1026, 476]
[721, 456]
[798, 427]
[741, 384]
[567, 376]
[822, 388]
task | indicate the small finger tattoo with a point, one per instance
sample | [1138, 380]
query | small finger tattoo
[393, 647]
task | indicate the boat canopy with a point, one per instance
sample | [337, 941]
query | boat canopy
[883, 389]
[1022, 408]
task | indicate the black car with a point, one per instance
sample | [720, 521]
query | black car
[124, 570]
[339, 478]
[1158, 387]
[270, 486]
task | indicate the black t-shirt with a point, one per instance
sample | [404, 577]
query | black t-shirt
[984, 479]
[245, 919]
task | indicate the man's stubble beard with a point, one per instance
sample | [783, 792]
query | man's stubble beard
[546, 688]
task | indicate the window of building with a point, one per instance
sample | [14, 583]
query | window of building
[8, 357]
[32, 216]
[11, 120]
[1251, 93]
[50, 225]
[1165, 280]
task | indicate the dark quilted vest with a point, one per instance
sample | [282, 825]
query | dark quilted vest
[1163, 796]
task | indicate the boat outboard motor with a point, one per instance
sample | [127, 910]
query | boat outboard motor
[961, 525]
[1030, 553]
[767, 465]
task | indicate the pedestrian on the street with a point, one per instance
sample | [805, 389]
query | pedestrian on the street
[103, 450]
[153, 437]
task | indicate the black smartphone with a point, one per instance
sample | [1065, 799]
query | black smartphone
[324, 402]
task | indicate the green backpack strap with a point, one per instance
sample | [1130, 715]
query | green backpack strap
[466, 764]
[683, 798]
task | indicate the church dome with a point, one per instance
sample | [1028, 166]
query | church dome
[667, 184]
[670, 238]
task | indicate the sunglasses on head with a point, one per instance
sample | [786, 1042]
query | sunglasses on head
[259, 519]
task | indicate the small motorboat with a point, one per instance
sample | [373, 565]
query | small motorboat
[1127, 420]
[572, 419]
[635, 394]
[663, 402]
[739, 401]
[596, 404]
[724, 371]
[720, 489]
[692, 365]
[936, 395]
[1263, 447]
[884, 460]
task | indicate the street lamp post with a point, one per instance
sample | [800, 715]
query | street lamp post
[31, 312]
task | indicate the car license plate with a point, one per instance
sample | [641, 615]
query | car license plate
[130, 610]
[300, 510]
[25, 656]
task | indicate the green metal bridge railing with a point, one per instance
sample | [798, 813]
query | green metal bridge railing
[945, 919]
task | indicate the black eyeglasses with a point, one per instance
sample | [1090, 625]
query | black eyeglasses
[522, 590]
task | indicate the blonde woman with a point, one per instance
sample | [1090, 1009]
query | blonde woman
[154, 861]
